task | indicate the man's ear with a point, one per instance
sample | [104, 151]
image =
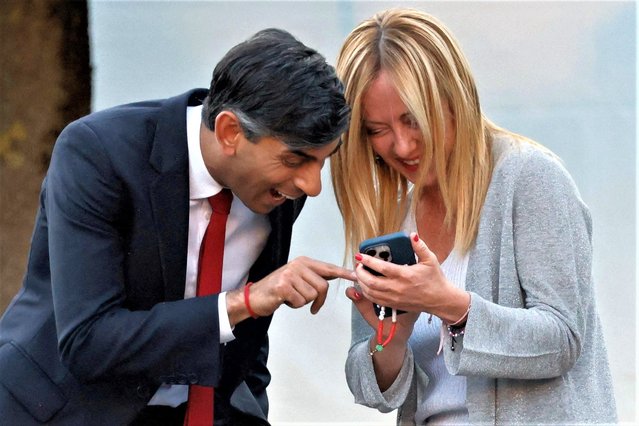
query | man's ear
[228, 131]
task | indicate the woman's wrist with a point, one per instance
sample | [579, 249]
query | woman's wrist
[387, 363]
[456, 312]
[461, 321]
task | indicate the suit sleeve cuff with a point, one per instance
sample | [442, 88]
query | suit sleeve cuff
[226, 332]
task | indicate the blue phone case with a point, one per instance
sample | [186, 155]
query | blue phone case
[395, 248]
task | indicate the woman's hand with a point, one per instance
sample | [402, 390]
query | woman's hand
[405, 321]
[415, 288]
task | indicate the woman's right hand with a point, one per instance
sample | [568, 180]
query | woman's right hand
[388, 362]
[405, 321]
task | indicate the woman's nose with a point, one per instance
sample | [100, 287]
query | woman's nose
[405, 142]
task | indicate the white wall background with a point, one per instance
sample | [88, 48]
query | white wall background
[562, 73]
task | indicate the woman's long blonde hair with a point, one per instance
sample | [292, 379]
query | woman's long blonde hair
[427, 67]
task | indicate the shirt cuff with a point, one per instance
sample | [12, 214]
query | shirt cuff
[226, 331]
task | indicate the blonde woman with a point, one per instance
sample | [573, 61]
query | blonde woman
[501, 325]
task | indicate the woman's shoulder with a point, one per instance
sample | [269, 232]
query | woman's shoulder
[524, 166]
[515, 156]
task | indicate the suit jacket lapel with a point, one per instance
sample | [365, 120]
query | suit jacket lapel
[170, 191]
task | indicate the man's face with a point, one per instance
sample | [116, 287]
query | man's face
[267, 173]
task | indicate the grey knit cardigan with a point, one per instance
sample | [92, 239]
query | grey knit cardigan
[533, 352]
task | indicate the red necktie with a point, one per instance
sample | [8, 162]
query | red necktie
[199, 410]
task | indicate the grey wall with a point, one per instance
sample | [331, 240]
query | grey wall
[562, 73]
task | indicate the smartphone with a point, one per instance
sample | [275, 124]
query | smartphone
[395, 248]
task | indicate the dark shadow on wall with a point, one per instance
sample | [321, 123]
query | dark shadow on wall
[45, 83]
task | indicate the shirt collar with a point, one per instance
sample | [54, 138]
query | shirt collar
[201, 183]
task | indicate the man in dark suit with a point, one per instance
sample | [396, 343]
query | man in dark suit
[106, 328]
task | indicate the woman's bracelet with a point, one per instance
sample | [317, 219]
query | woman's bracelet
[463, 317]
[458, 328]
[247, 292]
[454, 332]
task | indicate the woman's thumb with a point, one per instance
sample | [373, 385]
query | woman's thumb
[421, 249]
[363, 305]
[354, 294]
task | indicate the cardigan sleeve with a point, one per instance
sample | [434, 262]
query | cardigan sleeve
[360, 373]
[540, 277]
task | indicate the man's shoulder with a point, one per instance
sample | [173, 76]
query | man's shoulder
[146, 108]
[136, 118]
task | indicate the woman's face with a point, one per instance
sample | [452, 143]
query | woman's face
[393, 132]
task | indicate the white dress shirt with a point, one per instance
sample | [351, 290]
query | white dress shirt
[246, 235]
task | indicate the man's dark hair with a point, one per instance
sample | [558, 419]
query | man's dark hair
[278, 87]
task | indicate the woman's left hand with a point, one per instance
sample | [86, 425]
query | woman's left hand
[417, 288]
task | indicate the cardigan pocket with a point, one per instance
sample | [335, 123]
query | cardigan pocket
[28, 383]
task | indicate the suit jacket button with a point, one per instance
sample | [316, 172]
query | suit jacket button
[143, 391]
[192, 378]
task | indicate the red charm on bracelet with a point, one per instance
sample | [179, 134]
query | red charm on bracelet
[381, 344]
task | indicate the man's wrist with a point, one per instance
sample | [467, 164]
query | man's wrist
[247, 300]
[235, 306]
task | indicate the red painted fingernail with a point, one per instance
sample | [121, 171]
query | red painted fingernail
[357, 295]
[358, 257]
[416, 238]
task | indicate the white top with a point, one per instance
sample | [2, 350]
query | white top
[444, 398]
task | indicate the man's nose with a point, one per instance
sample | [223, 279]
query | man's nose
[309, 179]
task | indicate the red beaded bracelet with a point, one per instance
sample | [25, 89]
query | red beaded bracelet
[247, 288]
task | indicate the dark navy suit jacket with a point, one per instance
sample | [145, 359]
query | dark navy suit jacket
[100, 321]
